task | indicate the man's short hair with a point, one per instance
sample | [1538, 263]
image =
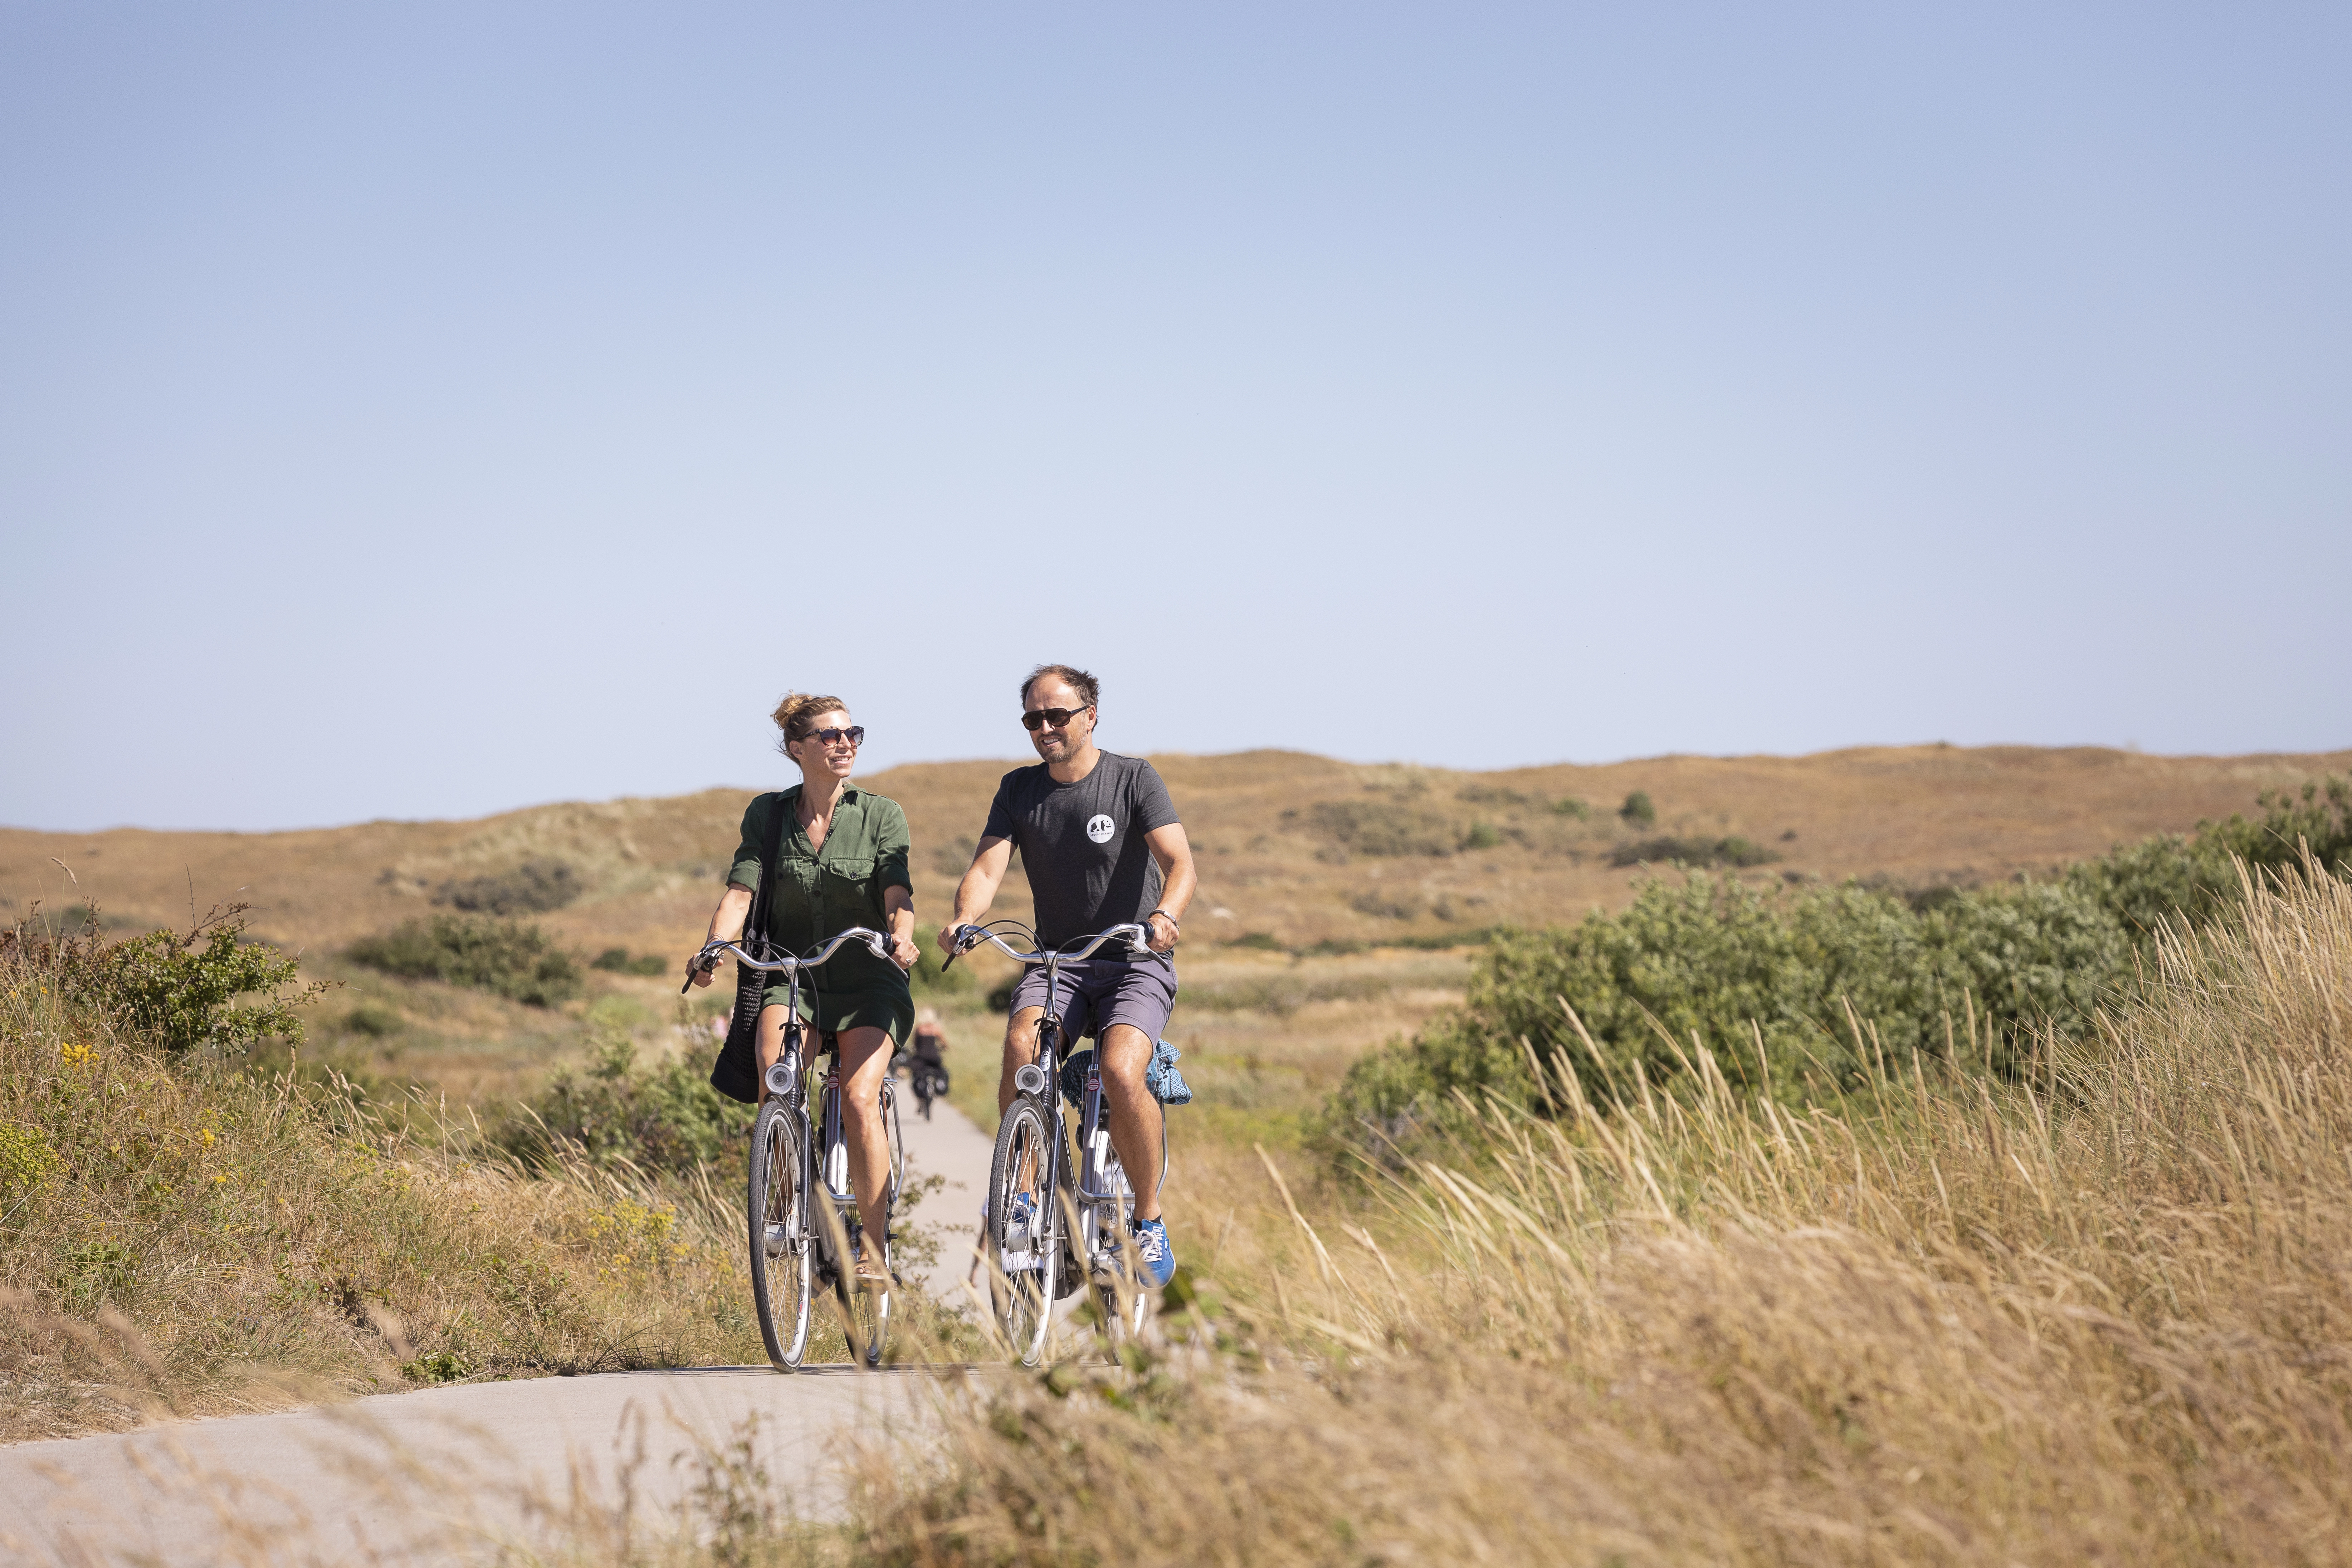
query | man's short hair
[1087, 686]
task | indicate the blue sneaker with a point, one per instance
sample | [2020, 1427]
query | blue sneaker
[1024, 1209]
[1152, 1249]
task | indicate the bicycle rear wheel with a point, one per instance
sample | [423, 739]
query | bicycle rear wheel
[780, 1234]
[1025, 1249]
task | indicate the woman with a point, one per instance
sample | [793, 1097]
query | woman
[841, 861]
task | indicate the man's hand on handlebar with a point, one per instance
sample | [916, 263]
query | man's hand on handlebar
[1163, 931]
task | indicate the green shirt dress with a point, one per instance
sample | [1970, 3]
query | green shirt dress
[820, 893]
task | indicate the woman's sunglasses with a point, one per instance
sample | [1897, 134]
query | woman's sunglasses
[854, 735]
[1057, 717]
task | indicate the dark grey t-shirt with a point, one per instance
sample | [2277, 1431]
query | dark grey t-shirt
[1082, 844]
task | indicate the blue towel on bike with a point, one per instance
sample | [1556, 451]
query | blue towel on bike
[1167, 1084]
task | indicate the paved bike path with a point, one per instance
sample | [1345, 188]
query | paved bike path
[443, 1474]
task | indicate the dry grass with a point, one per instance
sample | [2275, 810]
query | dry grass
[2105, 1320]
[205, 1240]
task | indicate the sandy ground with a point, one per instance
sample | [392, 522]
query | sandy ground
[448, 1474]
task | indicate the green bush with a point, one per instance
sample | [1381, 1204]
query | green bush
[618, 961]
[180, 990]
[369, 1019]
[1569, 805]
[516, 960]
[1798, 992]
[931, 976]
[1692, 852]
[532, 888]
[1387, 827]
[665, 1117]
[1764, 982]
[1638, 809]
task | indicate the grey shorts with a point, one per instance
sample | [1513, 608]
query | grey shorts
[1097, 993]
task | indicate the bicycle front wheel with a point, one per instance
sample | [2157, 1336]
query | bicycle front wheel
[864, 1311]
[1024, 1247]
[780, 1234]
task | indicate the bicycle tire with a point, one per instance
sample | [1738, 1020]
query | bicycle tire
[778, 1195]
[1023, 1265]
[864, 1314]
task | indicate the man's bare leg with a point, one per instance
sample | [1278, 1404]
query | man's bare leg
[1134, 1114]
[1020, 1050]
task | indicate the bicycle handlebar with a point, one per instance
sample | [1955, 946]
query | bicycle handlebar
[712, 952]
[1135, 936]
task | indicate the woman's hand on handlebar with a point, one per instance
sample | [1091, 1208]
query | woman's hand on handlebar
[904, 952]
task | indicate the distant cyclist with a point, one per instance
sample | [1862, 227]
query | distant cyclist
[924, 1062]
[1102, 845]
[840, 856]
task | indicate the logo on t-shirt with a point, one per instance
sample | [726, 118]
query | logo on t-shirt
[1101, 828]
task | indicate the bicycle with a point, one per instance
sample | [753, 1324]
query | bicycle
[929, 1080]
[1048, 1230]
[798, 1246]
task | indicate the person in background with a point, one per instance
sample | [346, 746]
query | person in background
[1102, 845]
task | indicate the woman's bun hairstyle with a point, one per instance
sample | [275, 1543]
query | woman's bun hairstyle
[797, 714]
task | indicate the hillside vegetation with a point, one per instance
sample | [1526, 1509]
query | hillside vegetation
[1802, 991]
[181, 1232]
[1938, 1320]
[1302, 849]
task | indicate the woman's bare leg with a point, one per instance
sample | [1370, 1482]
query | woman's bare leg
[864, 1061]
[768, 1044]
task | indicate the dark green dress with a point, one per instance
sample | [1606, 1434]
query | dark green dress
[820, 893]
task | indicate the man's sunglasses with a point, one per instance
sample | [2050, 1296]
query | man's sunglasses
[854, 735]
[1057, 717]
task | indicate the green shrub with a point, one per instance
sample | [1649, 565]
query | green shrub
[931, 976]
[534, 886]
[1638, 809]
[665, 1117]
[617, 960]
[1258, 942]
[1692, 852]
[1569, 805]
[369, 1019]
[1764, 982]
[516, 960]
[1796, 991]
[182, 991]
[1481, 836]
[1385, 826]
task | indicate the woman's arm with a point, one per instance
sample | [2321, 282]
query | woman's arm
[898, 905]
[727, 920]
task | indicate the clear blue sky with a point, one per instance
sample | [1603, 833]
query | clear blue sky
[426, 410]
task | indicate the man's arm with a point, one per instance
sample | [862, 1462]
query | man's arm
[978, 889]
[1174, 852]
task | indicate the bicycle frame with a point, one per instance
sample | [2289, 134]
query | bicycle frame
[1099, 1192]
[786, 1079]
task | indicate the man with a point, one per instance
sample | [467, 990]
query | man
[1103, 848]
